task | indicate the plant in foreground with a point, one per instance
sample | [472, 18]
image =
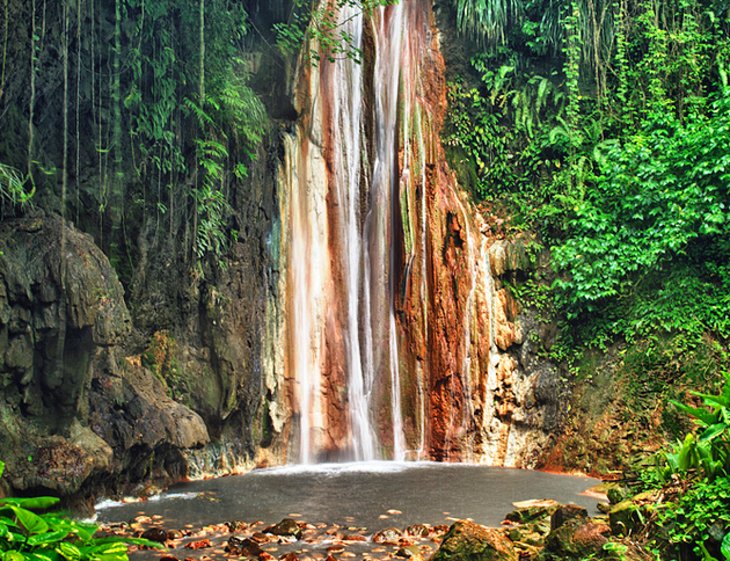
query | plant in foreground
[30, 532]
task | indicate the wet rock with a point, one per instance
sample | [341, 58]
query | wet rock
[155, 535]
[616, 494]
[389, 536]
[236, 526]
[174, 534]
[529, 511]
[576, 539]
[411, 552]
[564, 513]
[418, 530]
[467, 541]
[243, 546]
[287, 527]
[76, 406]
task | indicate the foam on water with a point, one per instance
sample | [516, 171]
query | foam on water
[375, 466]
[105, 504]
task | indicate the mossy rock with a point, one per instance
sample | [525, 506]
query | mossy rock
[627, 515]
[467, 541]
[577, 539]
[531, 511]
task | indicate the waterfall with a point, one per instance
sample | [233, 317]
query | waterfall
[341, 281]
[396, 335]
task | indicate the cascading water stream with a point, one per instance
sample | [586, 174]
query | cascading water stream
[347, 116]
[390, 28]
[341, 277]
[395, 330]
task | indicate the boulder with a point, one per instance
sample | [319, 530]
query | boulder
[75, 408]
[530, 511]
[243, 546]
[468, 541]
[576, 539]
[564, 513]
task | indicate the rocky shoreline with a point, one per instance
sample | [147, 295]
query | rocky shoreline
[539, 530]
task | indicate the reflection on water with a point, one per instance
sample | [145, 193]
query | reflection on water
[359, 493]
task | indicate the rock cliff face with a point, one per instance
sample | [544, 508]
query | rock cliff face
[73, 405]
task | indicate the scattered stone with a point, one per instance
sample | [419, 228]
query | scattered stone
[243, 546]
[411, 552]
[468, 541]
[168, 558]
[289, 557]
[287, 527]
[528, 511]
[354, 538]
[331, 557]
[388, 536]
[174, 535]
[236, 526]
[418, 530]
[264, 556]
[199, 544]
[155, 535]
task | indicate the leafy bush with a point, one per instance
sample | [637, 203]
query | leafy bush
[699, 521]
[709, 452]
[656, 193]
[29, 532]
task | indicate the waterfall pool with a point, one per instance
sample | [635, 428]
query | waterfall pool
[366, 495]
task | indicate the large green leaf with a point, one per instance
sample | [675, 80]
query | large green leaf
[47, 538]
[32, 523]
[725, 548]
[69, 551]
[32, 503]
[13, 555]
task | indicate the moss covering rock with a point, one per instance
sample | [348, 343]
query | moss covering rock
[468, 541]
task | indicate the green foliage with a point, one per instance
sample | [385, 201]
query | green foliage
[693, 523]
[12, 186]
[656, 192]
[223, 119]
[709, 452]
[29, 532]
[512, 152]
[698, 521]
[614, 151]
[324, 28]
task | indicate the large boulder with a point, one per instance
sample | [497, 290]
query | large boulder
[467, 541]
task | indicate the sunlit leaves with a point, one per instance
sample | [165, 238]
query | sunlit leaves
[657, 192]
